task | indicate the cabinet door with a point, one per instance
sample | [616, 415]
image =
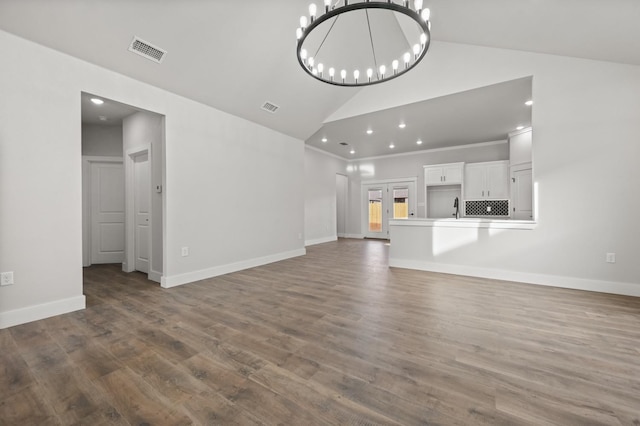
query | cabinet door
[433, 176]
[474, 181]
[452, 174]
[497, 181]
[522, 194]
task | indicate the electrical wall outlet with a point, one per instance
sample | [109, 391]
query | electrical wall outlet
[185, 251]
[610, 258]
[6, 278]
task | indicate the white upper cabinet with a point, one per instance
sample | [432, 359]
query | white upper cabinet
[486, 180]
[443, 174]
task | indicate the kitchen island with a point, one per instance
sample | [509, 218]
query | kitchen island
[466, 246]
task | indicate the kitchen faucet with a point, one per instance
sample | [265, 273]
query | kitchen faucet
[457, 213]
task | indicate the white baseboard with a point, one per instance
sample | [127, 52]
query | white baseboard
[189, 277]
[320, 240]
[358, 236]
[613, 287]
[38, 312]
[155, 276]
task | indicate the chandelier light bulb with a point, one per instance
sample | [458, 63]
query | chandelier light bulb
[343, 75]
[382, 70]
[327, 5]
[394, 65]
[407, 58]
[423, 39]
[416, 51]
[303, 22]
[426, 14]
[311, 61]
[298, 33]
[332, 72]
[312, 11]
[418, 5]
[314, 71]
[303, 55]
[369, 74]
[356, 74]
[320, 69]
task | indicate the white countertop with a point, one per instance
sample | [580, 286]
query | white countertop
[466, 222]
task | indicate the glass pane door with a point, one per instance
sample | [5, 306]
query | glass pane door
[400, 202]
[383, 201]
[375, 197]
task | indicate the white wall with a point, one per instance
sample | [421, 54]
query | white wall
[140, 130]
[233, 189]
[102, 141]
[320, 196]
[585, 155]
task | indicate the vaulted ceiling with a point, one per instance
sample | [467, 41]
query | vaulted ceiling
[235, 55]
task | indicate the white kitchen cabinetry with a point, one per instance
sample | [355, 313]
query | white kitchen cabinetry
[443, 174]
[488, 181]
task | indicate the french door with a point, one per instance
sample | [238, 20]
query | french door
[386, 200]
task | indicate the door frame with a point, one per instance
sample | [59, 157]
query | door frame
[87, 161]
[364, 214]
[129, 264]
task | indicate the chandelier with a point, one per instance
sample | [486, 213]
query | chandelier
[345, 45]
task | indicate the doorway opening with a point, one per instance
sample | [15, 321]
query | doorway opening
[122, 179]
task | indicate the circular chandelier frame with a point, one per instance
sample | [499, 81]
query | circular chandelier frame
[304, 32]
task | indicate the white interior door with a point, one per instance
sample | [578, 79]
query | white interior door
[141, 202]
[384, 201]
[522, 194]
[107, 213]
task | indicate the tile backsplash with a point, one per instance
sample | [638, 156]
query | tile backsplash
[486, 208]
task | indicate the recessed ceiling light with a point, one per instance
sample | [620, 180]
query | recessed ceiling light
[102, 118]
[392, 146]
[324, 139]
[519, 127]
[419, 142]
[369, 131]
[97, 101]
[353, 151]
[528, 103]
[402, 125]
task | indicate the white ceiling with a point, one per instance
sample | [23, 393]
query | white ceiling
[479, 115]
[235, 55]
[111, 112]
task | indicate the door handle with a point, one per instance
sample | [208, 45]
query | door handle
[488, 193]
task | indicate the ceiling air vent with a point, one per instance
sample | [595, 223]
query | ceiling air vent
[146, 50]
[344, 143]
[269, 107]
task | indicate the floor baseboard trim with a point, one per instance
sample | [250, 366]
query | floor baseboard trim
[155, 276]
[44, 310]
[612, 287]
[357, 236]
[189, 277]
[320, 240]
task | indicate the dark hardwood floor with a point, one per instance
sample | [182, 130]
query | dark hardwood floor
[334, 337]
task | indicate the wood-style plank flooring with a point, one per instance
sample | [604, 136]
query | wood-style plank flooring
[331, 338]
